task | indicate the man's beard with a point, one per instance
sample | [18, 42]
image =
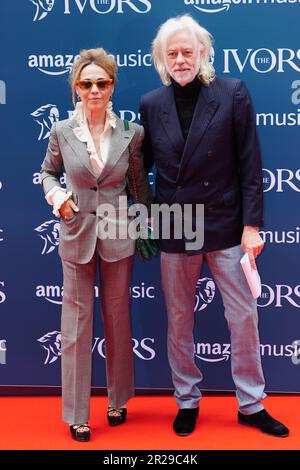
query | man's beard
[184, 78]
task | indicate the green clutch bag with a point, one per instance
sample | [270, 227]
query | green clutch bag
[146, 247]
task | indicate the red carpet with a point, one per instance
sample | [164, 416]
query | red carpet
[35, 423]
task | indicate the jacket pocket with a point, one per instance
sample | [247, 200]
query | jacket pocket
[231, 197]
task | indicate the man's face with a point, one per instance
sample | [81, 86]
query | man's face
[182, 58]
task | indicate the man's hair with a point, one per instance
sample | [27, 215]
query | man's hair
[199, 35]
[98, 56]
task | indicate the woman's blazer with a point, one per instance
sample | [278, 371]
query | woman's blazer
[82, 233]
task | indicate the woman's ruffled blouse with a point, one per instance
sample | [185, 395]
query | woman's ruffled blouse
[57, 195]
[83, 134]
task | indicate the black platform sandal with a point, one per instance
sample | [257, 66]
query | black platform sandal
[118, 417]
[78, 435]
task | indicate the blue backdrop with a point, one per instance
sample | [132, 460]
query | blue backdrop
[256, 41]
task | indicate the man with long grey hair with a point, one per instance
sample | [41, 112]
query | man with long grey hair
[200, 132]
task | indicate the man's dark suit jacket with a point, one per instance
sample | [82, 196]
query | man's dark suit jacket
[219, 165]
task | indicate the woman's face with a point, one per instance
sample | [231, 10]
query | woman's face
[94, 97]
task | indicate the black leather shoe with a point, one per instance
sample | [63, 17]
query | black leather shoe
[263, 421]
[185, 421]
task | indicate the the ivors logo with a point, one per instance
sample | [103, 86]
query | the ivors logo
[101, 7]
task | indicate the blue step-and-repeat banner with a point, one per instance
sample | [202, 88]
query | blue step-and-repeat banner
[255, 40]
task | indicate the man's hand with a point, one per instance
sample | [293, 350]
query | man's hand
[67, 209]
[252, 243]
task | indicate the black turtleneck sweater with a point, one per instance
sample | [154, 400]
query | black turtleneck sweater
[186, 99]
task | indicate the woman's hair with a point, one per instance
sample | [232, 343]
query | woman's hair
[200, 36]
[98, 56]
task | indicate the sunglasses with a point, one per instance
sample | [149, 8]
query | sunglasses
[86, 85]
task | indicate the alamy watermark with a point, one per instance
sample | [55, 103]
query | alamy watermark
[176, 221]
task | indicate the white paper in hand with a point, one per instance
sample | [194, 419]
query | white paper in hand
[252, 276]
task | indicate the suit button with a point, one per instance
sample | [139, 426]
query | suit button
[206, 184]
[210, 153]
[94, 188]
[209, 209]
[93, 212]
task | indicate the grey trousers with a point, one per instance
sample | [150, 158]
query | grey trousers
[77, 328]
[180, 273]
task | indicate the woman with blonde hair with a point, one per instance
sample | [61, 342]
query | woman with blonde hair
[94, 149]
